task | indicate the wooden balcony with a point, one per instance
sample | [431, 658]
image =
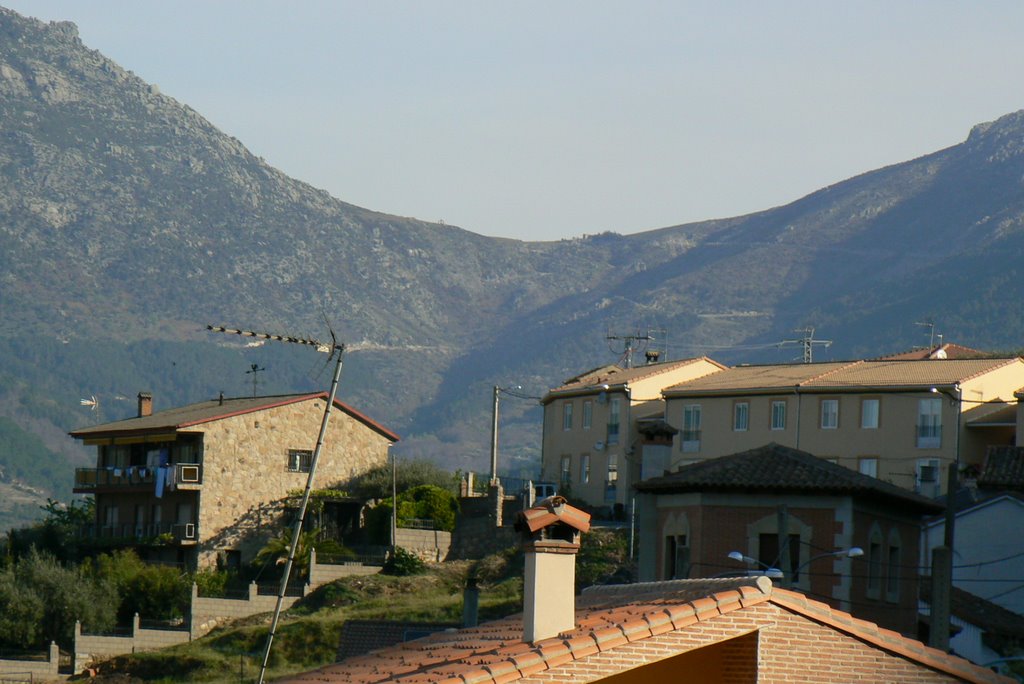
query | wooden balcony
[187, 476]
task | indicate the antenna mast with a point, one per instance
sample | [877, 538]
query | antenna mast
[629, 341]
[253, 370]
[807, 342]
[297, 531]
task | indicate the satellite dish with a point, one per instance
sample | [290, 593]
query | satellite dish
[599, 446]
[941, 354]
[602, 398]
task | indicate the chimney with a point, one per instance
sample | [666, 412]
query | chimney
[550, 537]
[145, 404]
[470, 603]
[652, 355]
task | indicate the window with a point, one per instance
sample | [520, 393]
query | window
[927, 481]
[565, 473]
[691, 428]
[778, 415]
[677, 557]
[829, 414]
[740, 416]
[613, 469]
[892, 576]
[613, 421]
[868, 465]
[585, 468]
[869, 414]
[769, 554]
[567, 415]
[588, 414]
[874, 588]
[929, 423]
[299, 460]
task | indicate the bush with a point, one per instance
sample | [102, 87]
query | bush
[376, 483]
[155, 592]
[425, 502]
[40, 600]
[402, 563]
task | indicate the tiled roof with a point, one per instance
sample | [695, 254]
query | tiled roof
[853, 375]
[614, 376]
[979, 612]
[943, 351]
[776, 468]
[551, 510]
[359, 637]
[182, 417]
[1003, 469]
[608, 618]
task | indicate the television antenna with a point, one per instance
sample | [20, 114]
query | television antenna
[807, 342]
[332, 348]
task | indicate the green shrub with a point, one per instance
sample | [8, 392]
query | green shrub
[402, 563]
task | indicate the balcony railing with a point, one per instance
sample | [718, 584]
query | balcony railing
[185, 475]
[151, 533]
[691, 441]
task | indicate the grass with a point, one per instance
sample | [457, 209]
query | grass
[309, 633]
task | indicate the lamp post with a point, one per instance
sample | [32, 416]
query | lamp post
[852, 552]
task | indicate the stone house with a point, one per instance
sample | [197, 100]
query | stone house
[206, 482]
[902, 421]
[590, 438]
[690, 521]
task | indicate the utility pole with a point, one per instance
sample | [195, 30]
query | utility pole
[331, 348]
[807, 342]
[494, 428]
[253, 370]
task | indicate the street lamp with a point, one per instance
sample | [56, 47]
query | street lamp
[494, 428]
[852, 552]
[768, 571]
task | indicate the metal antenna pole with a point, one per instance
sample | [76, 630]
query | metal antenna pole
[494, 435]
[297, 531]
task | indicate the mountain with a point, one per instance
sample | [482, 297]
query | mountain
[128, 222]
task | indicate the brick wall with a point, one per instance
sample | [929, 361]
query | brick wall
[789, 647]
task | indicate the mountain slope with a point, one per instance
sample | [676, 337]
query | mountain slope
[128, 222]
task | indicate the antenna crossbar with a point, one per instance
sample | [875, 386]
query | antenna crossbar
[320, 346]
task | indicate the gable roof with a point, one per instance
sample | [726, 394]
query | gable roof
[607, 618]
[780, 469]
[172, 420]
[942, 351]
[834, 377]
[592, 381]
[979, 612]
[1003, 469]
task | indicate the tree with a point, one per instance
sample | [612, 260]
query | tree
[376, 483]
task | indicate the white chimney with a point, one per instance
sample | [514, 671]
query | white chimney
[550, 535]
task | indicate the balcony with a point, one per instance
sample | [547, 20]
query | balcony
[152, 534]
[187, 476]
[691, 441]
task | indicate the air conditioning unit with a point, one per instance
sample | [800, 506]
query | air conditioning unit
[190, 531]
[189, 473]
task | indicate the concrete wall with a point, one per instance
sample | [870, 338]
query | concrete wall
[208, 613]
[33, 670]
[430, 545]
[91, 647]
[325, 573]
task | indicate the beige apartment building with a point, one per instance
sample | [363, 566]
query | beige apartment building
[901, 421]
[590, 446]
[208, 481]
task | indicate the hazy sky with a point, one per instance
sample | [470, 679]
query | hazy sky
[543, 120]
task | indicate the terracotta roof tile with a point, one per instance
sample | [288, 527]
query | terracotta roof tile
[633, 612]
[1003, 469]
[780, 469]
[834, 377]
[174, 419]
[592, 381]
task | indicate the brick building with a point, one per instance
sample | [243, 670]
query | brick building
[689, 522]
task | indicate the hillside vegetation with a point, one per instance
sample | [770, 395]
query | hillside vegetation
[128, 222]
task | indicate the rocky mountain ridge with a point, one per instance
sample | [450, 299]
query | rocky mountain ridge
[128, 222]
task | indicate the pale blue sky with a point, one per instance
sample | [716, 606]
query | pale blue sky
[543, 120]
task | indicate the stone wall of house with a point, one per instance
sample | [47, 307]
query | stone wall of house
[43, 669]
[246, 469]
